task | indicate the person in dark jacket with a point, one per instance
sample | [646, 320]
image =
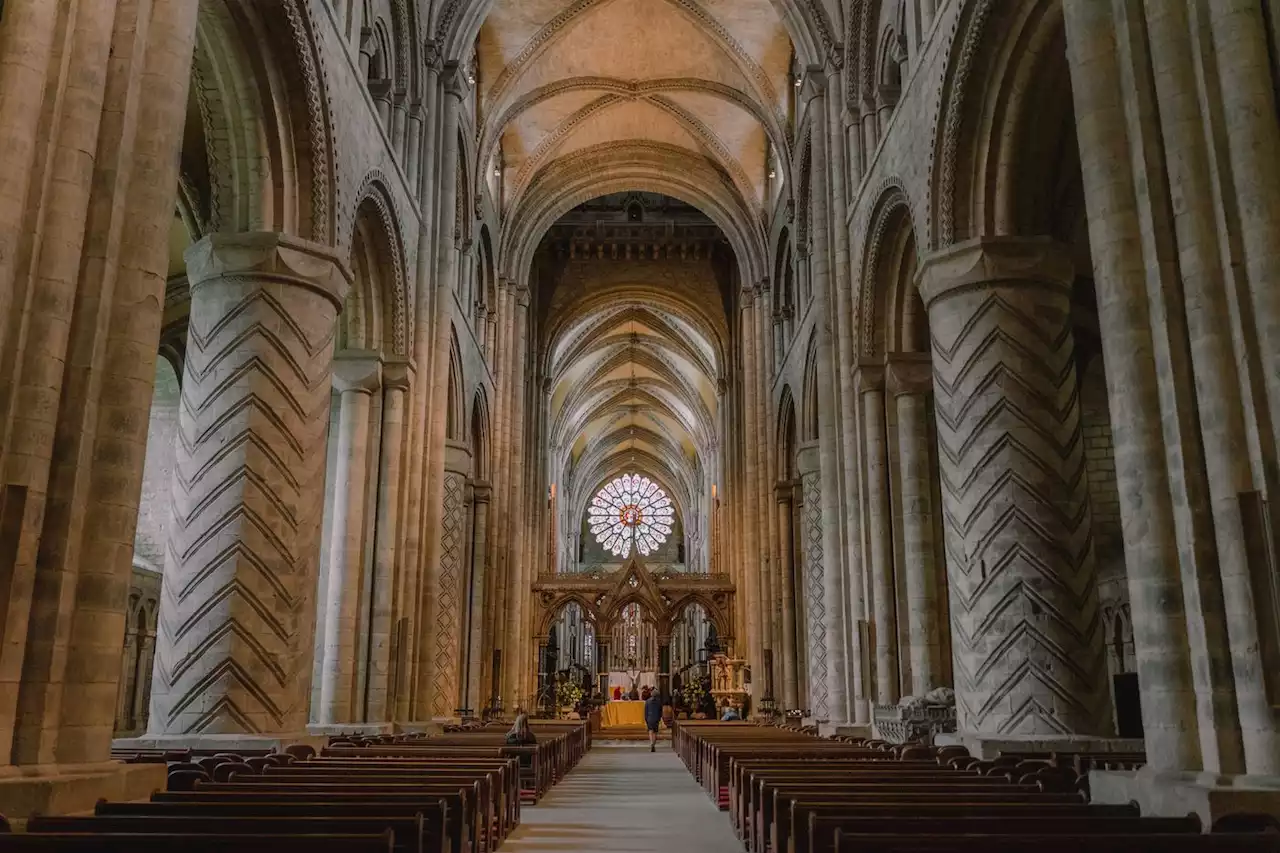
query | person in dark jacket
[653, 718]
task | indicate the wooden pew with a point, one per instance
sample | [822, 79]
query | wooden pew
[1064, 843]
[28, 842]
[433, 819]
[461, 817]
[408, 832]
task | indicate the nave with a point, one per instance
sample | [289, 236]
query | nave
[622, 798]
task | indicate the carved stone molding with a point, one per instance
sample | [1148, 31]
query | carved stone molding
[991, 261]
[269, 256]
[357, 370]
[868, 375]
[908, 373]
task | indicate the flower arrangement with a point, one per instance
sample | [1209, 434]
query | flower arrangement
[568, 694]
[691, 692]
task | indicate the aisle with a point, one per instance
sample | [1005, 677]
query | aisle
[624, 798]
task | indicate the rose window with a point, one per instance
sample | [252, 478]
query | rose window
[631, 510]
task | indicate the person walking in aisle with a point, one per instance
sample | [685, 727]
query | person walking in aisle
[653, 718]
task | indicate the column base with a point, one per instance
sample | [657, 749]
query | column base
[221, 743]
[987, 746]
[63, 789]
[1174, 794]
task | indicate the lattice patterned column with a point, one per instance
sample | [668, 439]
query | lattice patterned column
[1027, 640]
[448, 611]
[235, 647]
[814, 580]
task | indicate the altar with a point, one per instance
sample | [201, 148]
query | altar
[622, 712]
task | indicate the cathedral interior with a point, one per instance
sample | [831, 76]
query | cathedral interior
[356, 353]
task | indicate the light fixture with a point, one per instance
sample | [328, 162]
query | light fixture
[497, 172]
[773, 174]
[799, 81]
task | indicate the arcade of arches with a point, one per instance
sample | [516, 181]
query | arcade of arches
[927, 342]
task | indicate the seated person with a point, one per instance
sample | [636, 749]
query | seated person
[617, 692]
[521, 733]
[728, 712]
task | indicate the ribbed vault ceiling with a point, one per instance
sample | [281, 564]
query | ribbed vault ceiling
[707, 80]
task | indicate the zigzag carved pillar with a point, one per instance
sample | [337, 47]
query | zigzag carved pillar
[235, 646]
[815, 602]
[1027, 641]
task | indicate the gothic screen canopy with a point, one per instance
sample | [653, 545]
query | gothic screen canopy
[631, 509]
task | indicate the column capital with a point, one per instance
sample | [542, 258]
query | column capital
[357, 370]
[813, 83]
[908, 373]
[397, 374]
[482, 492]
[455, 79]
[432, 56]
[522, 294]
[807, 459]
[783, 491]
[272, 256]
[868, 375]
[995, 261]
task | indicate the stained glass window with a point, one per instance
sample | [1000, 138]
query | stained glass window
[631, 509]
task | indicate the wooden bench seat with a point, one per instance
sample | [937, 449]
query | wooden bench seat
[409, 832]
[27, 842]
[821, 830]
[1061, 843]
[461, 821]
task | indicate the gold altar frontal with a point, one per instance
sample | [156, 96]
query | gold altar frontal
[622, 712]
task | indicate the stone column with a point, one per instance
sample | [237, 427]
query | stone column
[234, 655]
[409, 644]
[1027, 638]
[748, 495]
[787, 591]
[481, 498]
[355, 377]
[1163, 637]
[518, 642]
[1247, 93]
[1215, 357]
[879, 517]
[444, 285]
[815, 601]
[910, 381]
[388, 561]
[836, 410]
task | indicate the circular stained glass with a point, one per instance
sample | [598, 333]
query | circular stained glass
[631, 510]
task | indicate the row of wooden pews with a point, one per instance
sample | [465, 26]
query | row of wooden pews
[787, 791]
[458, 792]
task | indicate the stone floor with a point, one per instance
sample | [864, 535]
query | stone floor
[623, 798]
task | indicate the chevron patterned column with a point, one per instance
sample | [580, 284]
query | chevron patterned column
[1027, 640]
[238, 614]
